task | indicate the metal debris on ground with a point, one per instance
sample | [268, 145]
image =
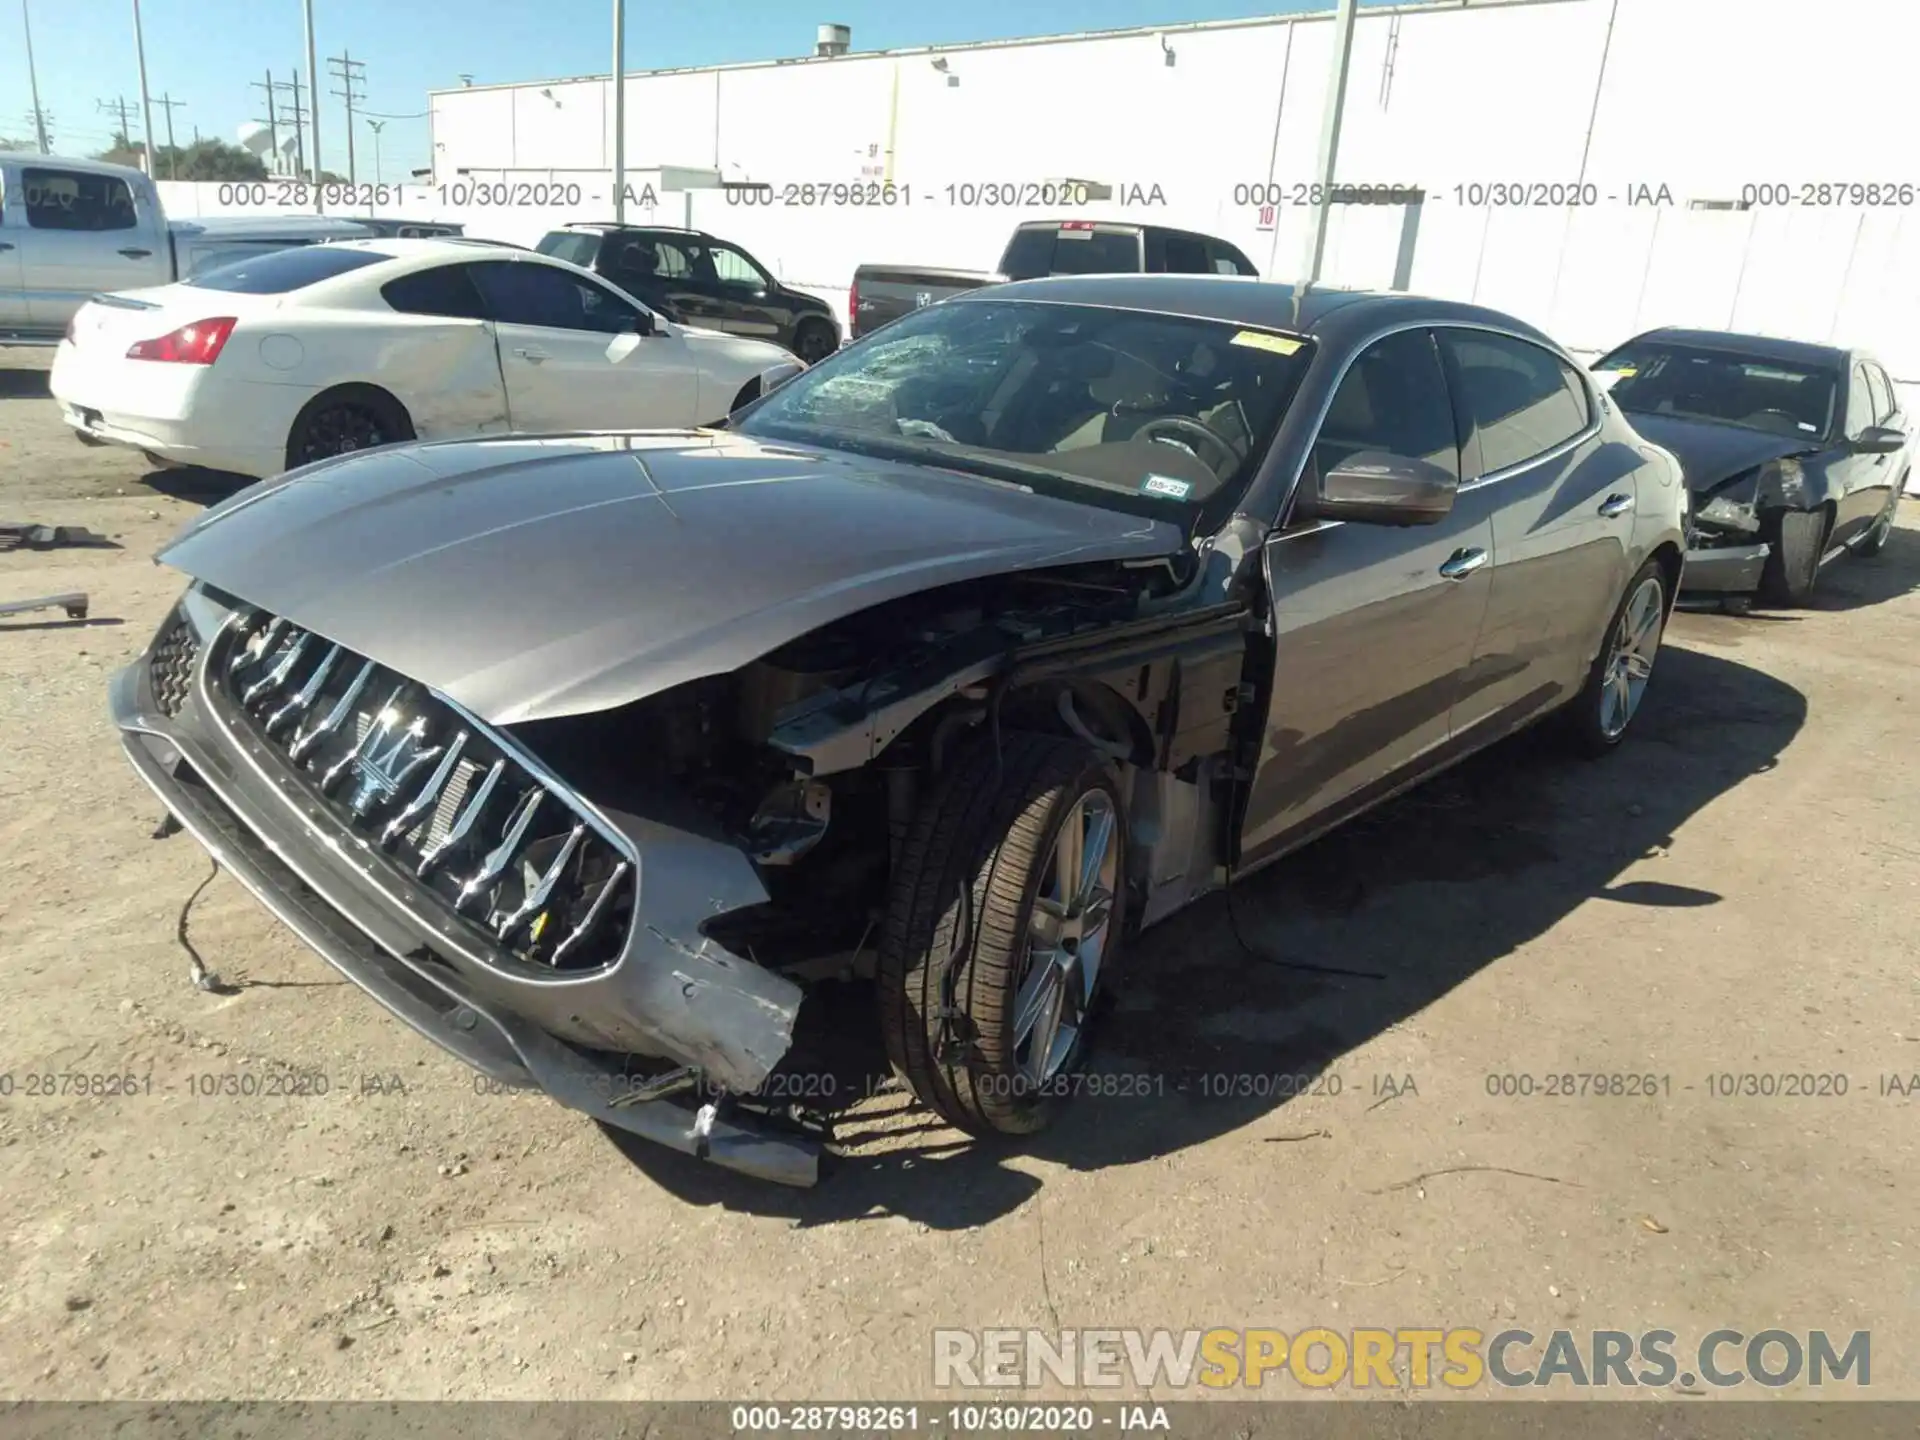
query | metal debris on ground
[24, 535]
[74, 603]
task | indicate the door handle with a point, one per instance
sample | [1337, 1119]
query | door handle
[531, 352]
[134, 252]
[1463, 563]
[1616, 505]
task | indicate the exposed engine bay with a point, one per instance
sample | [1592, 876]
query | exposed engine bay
[814, 759]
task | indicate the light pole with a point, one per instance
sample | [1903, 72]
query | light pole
[378, 178]
[146, 106]
[33, 83]
[619, 112]
[313, 111]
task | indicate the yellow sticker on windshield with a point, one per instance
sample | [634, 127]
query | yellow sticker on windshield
[1261, 340]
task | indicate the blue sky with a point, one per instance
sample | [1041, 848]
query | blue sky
[207, 54]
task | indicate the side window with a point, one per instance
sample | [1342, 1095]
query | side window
[76, 200]
[1394, 399]
[1885, 402]
[733, 268]
[517, 293]
[1859, 402]
[1186, 255]
[446, 290]
[1522, 399]
[1229, 261]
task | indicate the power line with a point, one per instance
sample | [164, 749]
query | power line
[349, 73]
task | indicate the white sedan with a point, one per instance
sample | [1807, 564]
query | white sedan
[300, 354]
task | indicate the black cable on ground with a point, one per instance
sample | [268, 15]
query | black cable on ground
[203, 978]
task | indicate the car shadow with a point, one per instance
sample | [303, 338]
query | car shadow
[25, 384]
[195, 486]
[1254, 996]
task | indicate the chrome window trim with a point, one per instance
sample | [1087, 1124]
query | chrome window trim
[1400, 327]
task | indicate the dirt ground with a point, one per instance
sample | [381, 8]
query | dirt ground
[1737, 891]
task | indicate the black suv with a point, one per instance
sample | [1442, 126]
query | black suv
[699, 279]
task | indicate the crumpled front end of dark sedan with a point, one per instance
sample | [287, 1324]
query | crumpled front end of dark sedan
[1726, 550]
[446, 869]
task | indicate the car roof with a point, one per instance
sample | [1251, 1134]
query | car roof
[1758, 347]
[609, 226]
[1324, 312]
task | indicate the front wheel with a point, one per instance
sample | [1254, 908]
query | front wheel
[1002, 928]
[1598, 718]
[1796, 539]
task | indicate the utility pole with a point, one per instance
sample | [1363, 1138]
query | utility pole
[377, 126]
[123, 122]
[173, 151]
[299, 129]
[272, 122]
[350, 73]
[33, 83]
[313, 104]
[146, 109]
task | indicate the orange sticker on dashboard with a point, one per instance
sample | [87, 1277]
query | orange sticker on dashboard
[1263, 340]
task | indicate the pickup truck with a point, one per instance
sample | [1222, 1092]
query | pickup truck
[71, 229]
[883, 293]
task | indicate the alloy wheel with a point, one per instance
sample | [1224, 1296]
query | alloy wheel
[340, 430]
[1630, 656]
[1066, 939]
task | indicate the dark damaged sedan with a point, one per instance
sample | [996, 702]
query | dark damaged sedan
[950, 663]
[1794, 454]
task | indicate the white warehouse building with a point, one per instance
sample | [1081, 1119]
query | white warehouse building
[1730, 164]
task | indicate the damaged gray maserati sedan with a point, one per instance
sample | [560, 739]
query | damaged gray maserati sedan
[952, 662]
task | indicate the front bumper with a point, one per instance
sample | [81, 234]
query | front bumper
[1722, 569]
[398, 955]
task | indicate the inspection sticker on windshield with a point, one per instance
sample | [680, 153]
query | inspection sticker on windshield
[1262, 340]
[1166, 485]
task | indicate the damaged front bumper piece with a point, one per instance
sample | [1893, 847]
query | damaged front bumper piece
[718, 1022]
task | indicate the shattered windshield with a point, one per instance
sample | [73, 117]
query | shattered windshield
[1094, 403]
[1771, 395]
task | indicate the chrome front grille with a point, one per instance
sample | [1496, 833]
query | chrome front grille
[454, 809]
[172, 666]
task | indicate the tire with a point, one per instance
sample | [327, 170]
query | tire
[1796, 541]
[1875, 540]
[972, 882]
[1592, 721]
[814, 340]
[339, 422]
[749, 393]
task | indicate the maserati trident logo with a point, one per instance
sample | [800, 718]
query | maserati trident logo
[395, 750]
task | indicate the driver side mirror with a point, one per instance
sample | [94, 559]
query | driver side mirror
[1878, 440]
[643, 323]
[1374, 487]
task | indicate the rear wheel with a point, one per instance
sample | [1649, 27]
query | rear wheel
[1598, 718]
[1002, 928]
[356, 417]
[814, 340]
[1875, 539]
[1796, 539]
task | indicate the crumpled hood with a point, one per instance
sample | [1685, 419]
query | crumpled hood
[529, 577]
[1710, 453]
